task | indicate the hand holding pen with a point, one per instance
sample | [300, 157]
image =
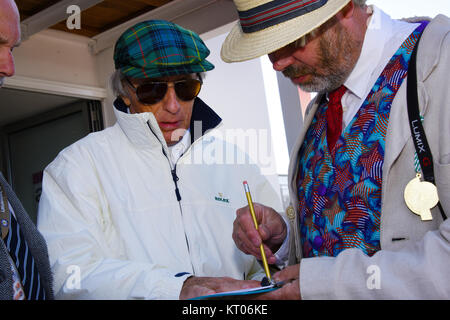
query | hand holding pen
[271, 231]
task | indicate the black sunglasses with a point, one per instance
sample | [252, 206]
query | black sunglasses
[153, 92]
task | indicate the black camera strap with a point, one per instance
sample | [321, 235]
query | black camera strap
[417, 131]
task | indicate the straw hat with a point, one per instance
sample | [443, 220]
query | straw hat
[266, 26]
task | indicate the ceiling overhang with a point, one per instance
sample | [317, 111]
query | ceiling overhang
[52, 15]
[197, 15]
[104, 21]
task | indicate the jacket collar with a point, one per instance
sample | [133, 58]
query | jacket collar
[142, 129]
[203, 119]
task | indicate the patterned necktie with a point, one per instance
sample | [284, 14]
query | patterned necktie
[334, 116]
[21, 255]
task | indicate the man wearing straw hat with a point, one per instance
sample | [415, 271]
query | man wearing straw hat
[145, 209]
[369, 174]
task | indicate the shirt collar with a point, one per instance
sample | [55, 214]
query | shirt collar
[378, 29]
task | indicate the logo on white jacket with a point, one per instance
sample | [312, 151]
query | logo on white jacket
[221, 198]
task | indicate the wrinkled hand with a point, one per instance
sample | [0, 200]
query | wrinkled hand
[272, 231]
[290, 290]
[200, 286]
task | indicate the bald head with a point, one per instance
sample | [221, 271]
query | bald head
[9, 37]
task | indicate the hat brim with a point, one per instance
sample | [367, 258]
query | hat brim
[167, 71]
[240, 46]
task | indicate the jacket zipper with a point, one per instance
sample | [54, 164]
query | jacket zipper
[173, 169]
[175, 179]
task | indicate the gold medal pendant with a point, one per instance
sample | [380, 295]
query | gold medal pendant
[421, 197]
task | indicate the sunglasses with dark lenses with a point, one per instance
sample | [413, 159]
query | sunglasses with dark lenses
[153, 92]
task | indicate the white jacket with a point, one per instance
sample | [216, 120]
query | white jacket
[114, 227]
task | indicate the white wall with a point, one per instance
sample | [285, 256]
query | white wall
[105, 67]
[57, 56]
[237, 93]
[398, 9]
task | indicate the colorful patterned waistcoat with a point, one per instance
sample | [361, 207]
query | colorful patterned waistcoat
[340, 191]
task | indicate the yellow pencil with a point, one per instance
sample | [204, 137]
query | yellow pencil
[252, 211]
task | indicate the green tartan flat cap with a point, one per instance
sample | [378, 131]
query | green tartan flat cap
[159, 48]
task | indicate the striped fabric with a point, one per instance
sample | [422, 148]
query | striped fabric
[275, 12]
[24, 262]
[158, 48]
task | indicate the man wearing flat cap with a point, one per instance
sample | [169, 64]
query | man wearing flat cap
[369, 174]
[144, 209]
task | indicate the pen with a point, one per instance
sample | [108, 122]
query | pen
[252, 211]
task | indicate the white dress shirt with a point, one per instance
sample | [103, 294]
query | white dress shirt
[383, 38]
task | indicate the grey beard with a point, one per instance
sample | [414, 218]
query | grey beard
[324, 84]
[318, 83]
